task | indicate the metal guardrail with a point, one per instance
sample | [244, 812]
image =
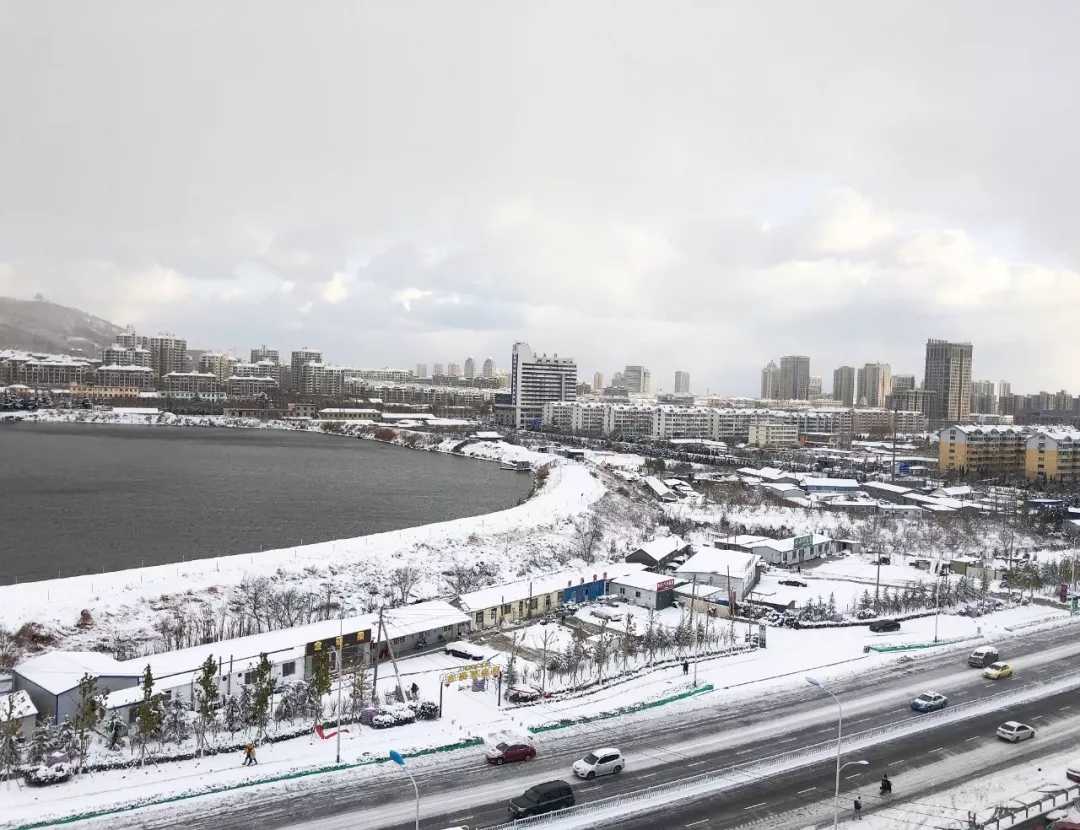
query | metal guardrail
[1009, 817]
[753, 768]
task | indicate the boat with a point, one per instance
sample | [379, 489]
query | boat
[516, 466]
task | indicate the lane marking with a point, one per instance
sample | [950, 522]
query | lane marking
[787, 740]
[895, 763]
[807, 790]
[972, 738]
[849, 777]
[697, 823]
[743, 751]
[1037, 717]
[939, 749]
[460, 819]
[651, 774]
[755, 806]
[588, 789]
[697, 764]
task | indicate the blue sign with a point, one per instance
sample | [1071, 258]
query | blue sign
[905, 468]
[395, 756]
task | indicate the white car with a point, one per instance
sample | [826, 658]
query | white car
[1072, 771]
[606, 761]
[1015, 732]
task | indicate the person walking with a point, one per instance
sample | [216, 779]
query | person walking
[686, 667]
[858, 809]
[249, 755]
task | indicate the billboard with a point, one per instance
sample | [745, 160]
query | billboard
[666, 585]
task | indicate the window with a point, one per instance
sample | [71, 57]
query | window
[493, 613]
[637, 594]
[448, 628]
[480, 617]
[622, 590]
[249, 677]
[547, 601]
[288, 669]
[533, 602]
[506, 608]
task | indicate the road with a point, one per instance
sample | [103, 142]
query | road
[677, 741]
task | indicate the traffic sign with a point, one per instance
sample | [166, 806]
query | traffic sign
[905, 468]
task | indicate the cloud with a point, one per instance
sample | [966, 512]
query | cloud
[703, 188]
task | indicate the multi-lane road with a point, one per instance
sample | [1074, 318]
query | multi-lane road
[675, 742]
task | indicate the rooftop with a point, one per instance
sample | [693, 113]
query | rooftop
[16, 706]
[661, 546]
[544, 584]
[645, 580]
[714, 560]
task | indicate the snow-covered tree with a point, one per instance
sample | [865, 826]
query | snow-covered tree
[115, 729]
[175, 724]
[88, 715]
[44, 739]
[10, 748]
[206, 696]
[150, 714]
[245, 705]
[232, 715]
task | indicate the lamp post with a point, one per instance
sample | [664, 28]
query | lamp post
[395, 756]
[839, 737]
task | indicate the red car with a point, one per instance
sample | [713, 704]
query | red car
[505, 753]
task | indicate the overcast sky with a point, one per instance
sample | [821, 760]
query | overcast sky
[698, 186]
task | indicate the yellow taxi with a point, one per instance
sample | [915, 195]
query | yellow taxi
[996, 671]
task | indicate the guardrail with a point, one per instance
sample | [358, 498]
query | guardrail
[825, 749]
[1036, 809]
[1041, 621]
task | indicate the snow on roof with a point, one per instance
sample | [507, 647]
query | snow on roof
[544, 584]
[16, 706]
[424, 616]
[789, 543]
[658, 487]
[60, 671]
[448, 422]
[401, 416]
[743, 540]
[714, 560]
[885, 487]
[644, 580]
[810, 482]
[335, 411]
[954, 491]
[488, 436]
[661, 546]
[781, 488]
[693, 590]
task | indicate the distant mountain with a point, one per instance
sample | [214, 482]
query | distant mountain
[41, 326]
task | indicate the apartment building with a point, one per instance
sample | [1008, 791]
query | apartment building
[318, 379]
[1054, 455]
[843, 385]
[190, 385]
[794, 377]
[870, 421]
[119, 355]
[814, 390]
[384, 375]
[217, 364]
[770, 382]
[903, 383]
[768, 434]
[54, 372]
[297, 361]
[948, 375]
[488, 369]
[873, 385]
[637, 380]
[534, 381]
[629, 421]
[682, 383]
[985, 450]
[125, 377]
[249, 388]
[168, 353]
[684, 422]
[262, 353]
[104, 393]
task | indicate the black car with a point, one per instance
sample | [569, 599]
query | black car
[794, 583]
[879, 626]
[543, 798]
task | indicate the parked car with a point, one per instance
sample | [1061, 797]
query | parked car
[1015, 732]
[1072, 771]
[929, 702]
[996, 671]
[466, 651]
[507, 753]
[543, 798]
[606, 761]
[879, 626]
[793, 583]
[982, 657]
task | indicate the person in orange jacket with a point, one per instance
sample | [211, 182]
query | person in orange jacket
[249, 755]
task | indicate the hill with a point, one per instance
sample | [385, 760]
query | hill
[41, 326]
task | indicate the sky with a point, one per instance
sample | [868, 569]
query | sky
[684, 185]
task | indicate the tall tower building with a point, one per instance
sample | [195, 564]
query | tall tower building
[453, 370]
[637, 380]
[299, 358]
[948, 375]
[903, 383]
[421, 370]
[437, 370]
[843, 385]
[795, 377]
[489, 368]
[534, 381]
[598, 382]
[470, 368]
[262, 353]
[168, 353]
[874, 385]
[682, 383]
[815, 387]
[770, 382]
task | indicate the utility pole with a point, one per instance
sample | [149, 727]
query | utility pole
[375, 678]
[693, 631]
[895, 424]
[397, 674]
[877, 585]
[340, 680]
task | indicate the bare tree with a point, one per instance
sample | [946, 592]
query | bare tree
[587, 535]
[462, 578]
[403, 580]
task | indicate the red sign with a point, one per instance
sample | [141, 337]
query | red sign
[666, 585]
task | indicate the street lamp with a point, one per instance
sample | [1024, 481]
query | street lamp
[839, 736]
[395, 756]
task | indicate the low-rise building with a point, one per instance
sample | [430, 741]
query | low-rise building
[659, 553]
[769, 434]
[18, 707]
[646, 589]
[1053, 454]
[733, 570]
[983, 450]
[103, 393]
[812, 485]
[336, 414]
[248, 388]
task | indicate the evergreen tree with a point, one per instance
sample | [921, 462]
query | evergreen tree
[320, 673]
[149, 715]
[43, 740]
[650, 641]
[831, 607]
[206, 697]
[175, 725]
[866, 603]
[88, 715]
[233, 717]
[984, 583]
[114, 731]
[10, 748]
[263, 695]
[245, 705]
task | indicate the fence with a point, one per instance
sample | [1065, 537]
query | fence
[733, 775]
[1007, 817]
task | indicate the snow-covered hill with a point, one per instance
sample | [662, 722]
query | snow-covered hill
[41, 326]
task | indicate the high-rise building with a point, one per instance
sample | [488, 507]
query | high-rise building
[437, 370]
[120, 355]
[814, 388]
[873, 385]
[217, 364]
[903, 383]
[948, 373]
[470, 368]
[130, 340]
[421, 370]
[168, 353]
[453, 370]
[618, 381]
[794, 377]
[682, 383]
[262, 353]
[636, 379]
[1004, 388]
[299, 358]
[984, 397]
[489, 368]
[534, 381]
[843, 385]
[770, 382]
[598, 382]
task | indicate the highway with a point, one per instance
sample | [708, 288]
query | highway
[677, 741]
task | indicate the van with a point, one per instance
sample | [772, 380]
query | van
[543, 798]
[982, 657]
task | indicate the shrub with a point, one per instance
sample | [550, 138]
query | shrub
[427, 710]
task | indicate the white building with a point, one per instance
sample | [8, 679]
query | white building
[249, 388]
[300, 357]
[682, 383]
[645, 588]
[193, 385]
[534, 381]
[767, 434]
[129, 377]
[121, 356]
[18, 706]
[263, 353]
[730, 569]
[168, 353]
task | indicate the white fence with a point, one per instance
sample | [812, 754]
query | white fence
[736, 774]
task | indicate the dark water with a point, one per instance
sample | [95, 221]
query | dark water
[76, 498]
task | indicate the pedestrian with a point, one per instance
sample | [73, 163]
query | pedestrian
[686, 667]
[415, 691]
[249, 755]
[858, 809]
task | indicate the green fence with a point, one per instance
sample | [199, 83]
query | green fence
[917, 646]
[624, 710]
[154, 802]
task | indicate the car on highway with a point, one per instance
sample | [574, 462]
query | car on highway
[509, 753]
[543, 798]
[879, 626]
[793, 583]
[996, 671]
[1015, 732]
[983, 656]
[606, 761]
[929, 702]
[1072, 771]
